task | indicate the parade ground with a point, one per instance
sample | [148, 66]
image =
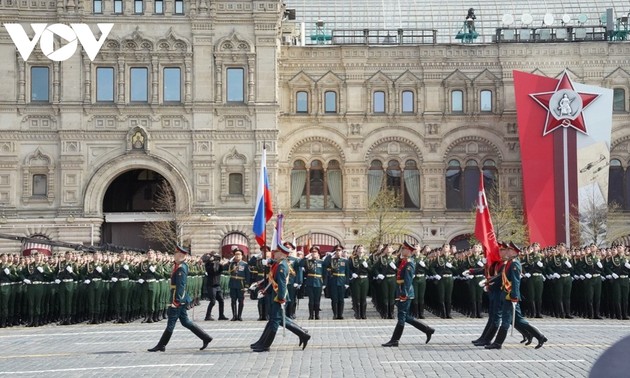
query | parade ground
[338, 348]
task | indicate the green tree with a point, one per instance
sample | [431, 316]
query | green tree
[386, 222]
[507, 218]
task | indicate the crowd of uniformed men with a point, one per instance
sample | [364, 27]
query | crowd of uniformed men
[74, 287]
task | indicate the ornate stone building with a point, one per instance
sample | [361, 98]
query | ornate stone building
[189, 92]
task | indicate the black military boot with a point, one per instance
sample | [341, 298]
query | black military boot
[483, 334]
[364, 310]
[200, 333]
[3, 322]
[209, 313]
[340, 310]
[524, 330]
[264, 311]
[240, 311]
[221, 311]
[567, 311]
[311, 313]
[536, 333]
[234, 312]
[498, 342]
[420, 311]
[423, 328]
[334, 309]
[395, 336]
[300, 332]
[260, 310]
[390, 311]
[317, 314]
[448, 311]
[443, 312]
[161, 345]
[266, 342]
[486, 338]
[263, 336]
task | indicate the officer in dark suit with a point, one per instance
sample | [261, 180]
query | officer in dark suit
[338, 271]
[277, 290]
[405, 273]
[239, 282]
[214, 269]
[179, 304]
[313, 280]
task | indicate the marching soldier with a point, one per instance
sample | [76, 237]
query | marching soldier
[511, 282]
[239, 282]
[338, 272]
[179, 302]
[359, 282]
[313, 280]
[277, 290]
[404, 294]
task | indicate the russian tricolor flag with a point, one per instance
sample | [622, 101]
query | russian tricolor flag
[264, 209]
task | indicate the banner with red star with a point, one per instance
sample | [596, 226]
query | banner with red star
[564, 131]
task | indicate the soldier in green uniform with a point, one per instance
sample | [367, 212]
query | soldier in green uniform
[35, 275]
[511, 282]
[179, 303]
[386, 273]
[442, 270]
[121, 288]
[94, 275]
[239, 282]
[420, 279]
[295, 280]
[617, 273]
[259, 269]
[561, 271]
[65, 280]
[475, 292]
[314, 274]
[590, 270]
[150, 274]
[405, 272]
[535, 281]
[359, 281]
[337, 269]
[7, 278]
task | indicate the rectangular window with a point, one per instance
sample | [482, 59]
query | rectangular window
[40, 84]
[485, 101]
[118, 6]
[138, 7]
[457, 101]
[40, 185]
[179, 7]
[378, 102]
[159, 6]
[619, 100]
[301, 105]
[97, 6]
[172, 84]
[139, 84]
[236, 183]
[330, 102]
[235, 85]
[407, 102]
[105, 84]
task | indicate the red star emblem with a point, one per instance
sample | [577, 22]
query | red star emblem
[564, 106]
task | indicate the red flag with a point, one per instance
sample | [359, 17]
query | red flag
[484, 230]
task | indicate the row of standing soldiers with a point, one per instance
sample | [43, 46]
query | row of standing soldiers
[41, 289]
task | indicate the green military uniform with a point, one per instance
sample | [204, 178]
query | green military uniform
[560, 269]
[36, 276]
[442, 270]
[8, 277]
[591, 269]
[359, 284]
[386, 273]
[534, 268]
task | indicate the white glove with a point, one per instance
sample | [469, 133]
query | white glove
[480, 263]
[609, 277]
[57, 281]
[99, 269]
[437, 277]
[295, 285]
[152, 269]
[482, 283]
[582, 277]
[347, 286]
[575, 276]
[544, 279]
[354, 275]
[365, 264]
[588, 275]
[126, 267]
[465, 273]
[69, 269]
[392, 265]
[627, 265]
[540, 264]
[253, 286]
[600, 266]
[232, 259]
[380, 277]
[449, 265]
[7, 271]
[264, 262]
[41, 270]
[557, 275]
[260, 295]
[87, 282]
[568, 264]
[422, 264]
[140, 281]
[615, 275]
[27, 281]
[309, 256]
[528, 275]
[114, 279]
[603, 278]
[323, 287]
[483, 259]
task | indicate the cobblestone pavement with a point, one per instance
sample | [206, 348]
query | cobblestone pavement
[339, 348]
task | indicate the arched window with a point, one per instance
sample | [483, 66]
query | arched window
[619, 100]
[330, 102]
[485, 101]
[616, 184]
[378, 102]
[457, 101]
[301, 102]
[411, 175]
[454, 185]
[490, 179]
[407, 102]
[375, 179]
[316, 188]
[470, 184]
[404, 183]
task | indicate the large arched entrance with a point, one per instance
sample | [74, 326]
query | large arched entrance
[133, 199]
